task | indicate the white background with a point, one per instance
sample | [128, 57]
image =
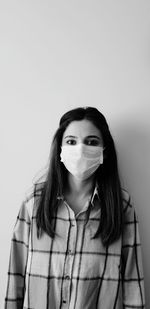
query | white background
[57, 55]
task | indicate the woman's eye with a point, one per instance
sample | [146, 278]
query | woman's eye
[71, 142]
[92, 143]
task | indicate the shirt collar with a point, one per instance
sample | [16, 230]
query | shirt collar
[94, 194]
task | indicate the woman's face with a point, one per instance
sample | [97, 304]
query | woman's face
[82, 131]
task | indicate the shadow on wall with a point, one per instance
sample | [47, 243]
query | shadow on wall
[134, 153]
[133, 145]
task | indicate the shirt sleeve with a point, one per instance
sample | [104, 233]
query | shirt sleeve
[132, 278]
[18, 260]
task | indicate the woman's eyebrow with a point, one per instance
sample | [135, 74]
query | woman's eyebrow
[70, 136]
[88, 136]
[93, 136]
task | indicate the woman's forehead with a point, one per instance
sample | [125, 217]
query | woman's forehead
[82, 128]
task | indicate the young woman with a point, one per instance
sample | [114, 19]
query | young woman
[76, 241]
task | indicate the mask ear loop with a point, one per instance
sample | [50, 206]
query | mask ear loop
[104, 148]
[102, 156]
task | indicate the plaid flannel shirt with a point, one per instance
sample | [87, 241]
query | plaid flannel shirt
[73, 271]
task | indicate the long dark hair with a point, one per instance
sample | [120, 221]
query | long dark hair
[107, 177]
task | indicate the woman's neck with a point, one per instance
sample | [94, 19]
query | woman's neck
[79, 187]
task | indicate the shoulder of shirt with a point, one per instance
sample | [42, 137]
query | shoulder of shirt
[128, 206]
[30, 196]
[126, 197]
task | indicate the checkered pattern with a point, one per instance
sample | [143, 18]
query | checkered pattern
[73, 271]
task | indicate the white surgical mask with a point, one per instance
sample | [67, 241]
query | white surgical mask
[81, 160]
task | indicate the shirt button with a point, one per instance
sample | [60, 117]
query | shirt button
[67, 277]
[64, 301]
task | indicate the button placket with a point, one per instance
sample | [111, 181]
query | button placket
[69, 261]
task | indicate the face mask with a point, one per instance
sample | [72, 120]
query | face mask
[81, 160]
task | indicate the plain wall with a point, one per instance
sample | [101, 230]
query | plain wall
[57, 55]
